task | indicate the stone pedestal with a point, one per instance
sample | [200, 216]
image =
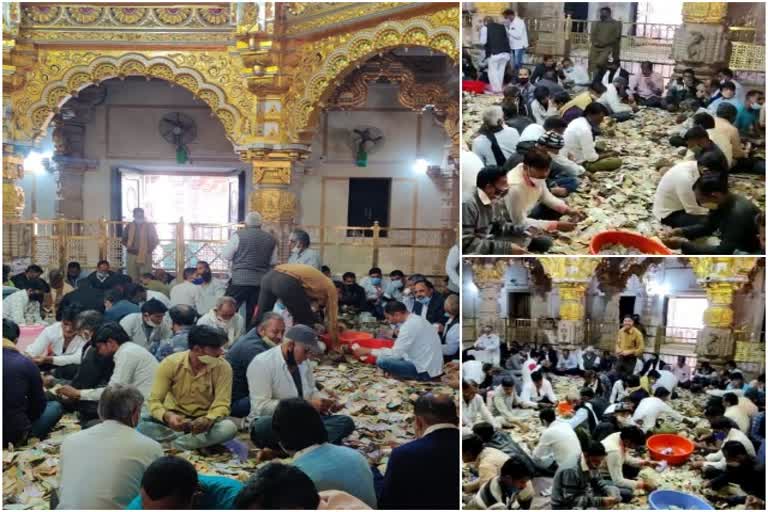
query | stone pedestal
[570, 334]
[715, 344]
[488, 306]
[701, 42]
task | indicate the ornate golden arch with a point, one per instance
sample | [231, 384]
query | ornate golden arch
[60, 74]
[323, 64]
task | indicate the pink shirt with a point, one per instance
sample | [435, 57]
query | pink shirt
[647, 86]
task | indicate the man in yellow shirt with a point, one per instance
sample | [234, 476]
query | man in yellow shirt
[191, 395]
[629, 346]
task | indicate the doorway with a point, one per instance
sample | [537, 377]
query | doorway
[626, 307]
[368, 203]
[519, 305]
[684, 318]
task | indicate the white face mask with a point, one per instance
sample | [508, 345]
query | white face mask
[208, 360]
[295, 250]
[538, 181]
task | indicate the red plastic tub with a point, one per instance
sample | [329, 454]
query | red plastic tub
[475, 86]
[374, 343]
[349, 337]
[629, 239]
[681, 448]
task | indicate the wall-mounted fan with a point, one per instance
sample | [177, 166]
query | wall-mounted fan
[365, 140]
[178, 129]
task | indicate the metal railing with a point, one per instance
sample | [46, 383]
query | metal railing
[53, 243]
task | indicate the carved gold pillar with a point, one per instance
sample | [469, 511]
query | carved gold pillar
[13, 169]
[271, 178]
[572, 277]
[721, 277]
[701, 43]
[488, 275]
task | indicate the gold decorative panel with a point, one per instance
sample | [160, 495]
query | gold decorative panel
[747, 57]
[704, 12]
[274, 204]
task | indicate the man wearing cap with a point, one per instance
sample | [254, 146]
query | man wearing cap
[191, 395]
[284, 372]
[562, 172]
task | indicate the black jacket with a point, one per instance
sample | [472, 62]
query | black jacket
[107, 284]
[435, 311]
[497, 40]
[23, 395]
[735, 221]
[353, 295]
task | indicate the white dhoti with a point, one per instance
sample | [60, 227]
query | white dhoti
[497, 65]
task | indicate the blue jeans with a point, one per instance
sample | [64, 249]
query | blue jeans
[401, 368]
[569, 183]
[241, 408]
[43, 425]
[337, 426]
[517, 58]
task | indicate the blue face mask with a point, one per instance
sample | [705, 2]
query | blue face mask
[397, 284]
[376, 281]
[423, 300]
[198, 280]
[719, 436]
[396, 326]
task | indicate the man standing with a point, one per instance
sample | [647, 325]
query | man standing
[425, 473]
[417, 353]
[191, 394]
[518, 38]
[496, 41]
[283, 372]
[253, 252]
[629, 346]
[140, 239]
[268, 334]
[299, 242]
[606, 41]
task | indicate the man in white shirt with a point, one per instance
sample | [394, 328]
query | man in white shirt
[450, 333]
[736, 412]
[558, 444]
[674, 203]
[134, 365]
[375, 286]
[537, 392]
[186, 292]
[102, 467]
[528, 188]
[473, 408]
[210, 288]
[649, 409]
[518, 38]
[487, 347]
[452, 265]
[723, 428]
[471, 164]
[285, 371]
[580, 142]
[568, 363]
[576, 77]
[149, 325]
[23, 306]
[612, 99]
[495, 39]
[617, 448]
[494, 129]
[666, 380]
[298, 242]
[225, 317]
[472, 370]
[394, 288]
[503, 400]
[417, 353]
[59, 344]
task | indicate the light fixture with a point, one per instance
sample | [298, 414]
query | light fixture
[472, 288]
[420, 166]
[36, 162]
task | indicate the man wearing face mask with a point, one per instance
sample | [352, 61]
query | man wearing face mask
[374, 288]
[191, 394]
[394, 289]
[23, 306]
[576, 77]
[134, 365]
[299, 242]
[140, 239]
[283, 372]
[149, 325]
[528, 188]
[481, 228]
[424, 473]
[225, 317]
[268, 334]
[102, 467]
[605, 36]
[417, 353]
[183, 319]
[429, 302]
[702, 137]
[525, 87]
[511, 489]
[210, 288]
[730, 215]
[352, 295]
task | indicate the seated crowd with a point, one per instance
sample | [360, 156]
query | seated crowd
[533, 149]
[589, 455]
[153, 365]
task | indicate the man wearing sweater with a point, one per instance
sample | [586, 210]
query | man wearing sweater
[301, 432]
[527, 188]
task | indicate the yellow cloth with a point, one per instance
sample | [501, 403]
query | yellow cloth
[157, 286]
[732, 133]
[9, 344]
[632, 340]
[580, 100]
[489, 463]
[140, 239]
[645, 383]
[176, 389]
[317, 287]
